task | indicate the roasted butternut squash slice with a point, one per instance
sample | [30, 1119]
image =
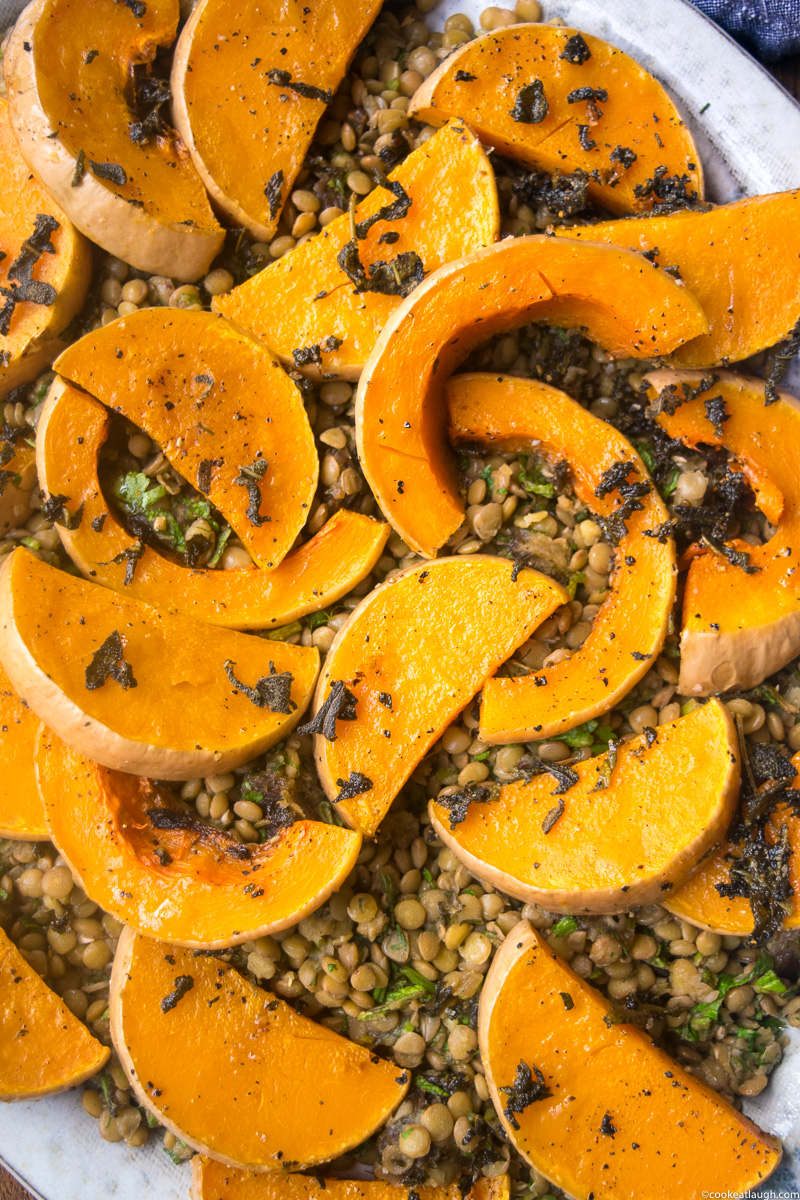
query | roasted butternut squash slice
[19, 476]
[213, 1181]
[70, 435]
[287, 60]
[624, 832]
[409, 659]
[739, 260]
[140, 689]
[318, 318]
[561, 100]
[615, 296]
[697, 899]
[94, 138]
[21, 810]
[172, 877]
[507, 414]
[43, 1047]
[741, 616]
[271, 1090]
[596, 1107]
[46, 264]
[223, 410]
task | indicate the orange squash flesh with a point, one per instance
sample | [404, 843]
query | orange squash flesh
[15, 498]
[70, 434]
[22, 814]
[615, 295]
[622, 1119]
[183, 718]
[413, 654]
[186, 885]
[139, 199]
[637, 115]
[740, 627]
[739, 260]
[32, 340]
[617, 848]
[502, 413]
[213, 1181]
[697, 899]
[209, 394]
[271, 1090]
[43, 1047]
[266, 49]
[305, 298]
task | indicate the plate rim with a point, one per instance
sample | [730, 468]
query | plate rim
[733, 51]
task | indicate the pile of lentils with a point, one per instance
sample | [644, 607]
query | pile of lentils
[397, 958]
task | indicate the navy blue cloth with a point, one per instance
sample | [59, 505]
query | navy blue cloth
[769, 28]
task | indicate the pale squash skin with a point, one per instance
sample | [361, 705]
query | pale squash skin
[739, 260]
[213, 1181]
[636, 109]
[672, 1136]
[57, 1053]
[70, 435]
[34, 336]
[297, 1094]
[96, 816]
[154, 241]
[207, 392]
[305, 297]
[313, 44]
[740, 628]
[22, 816]
[697, 899]
[428, 637]
[183, 698]
[502, 413]
[616, 849]
[614, 295]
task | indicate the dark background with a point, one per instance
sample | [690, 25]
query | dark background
[787, 73]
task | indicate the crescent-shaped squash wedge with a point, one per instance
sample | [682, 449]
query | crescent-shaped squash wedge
[741, 615]
[140, 689]
[213, 1181]
[46, 264]
[615, 296]
[410, 658]
[43, 1047]
[270, 1091]
[143, 856]
[621, 835]
[316, 317]
[19, 476]
[70, 435]
[508, 414]
[70, 69]
[22, 815]
[223, 410]
[596, 1107]
[560, 100]
[740, 261]
[697, 899]
[260, 75]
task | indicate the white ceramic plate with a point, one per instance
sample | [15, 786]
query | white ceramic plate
[748, 132]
